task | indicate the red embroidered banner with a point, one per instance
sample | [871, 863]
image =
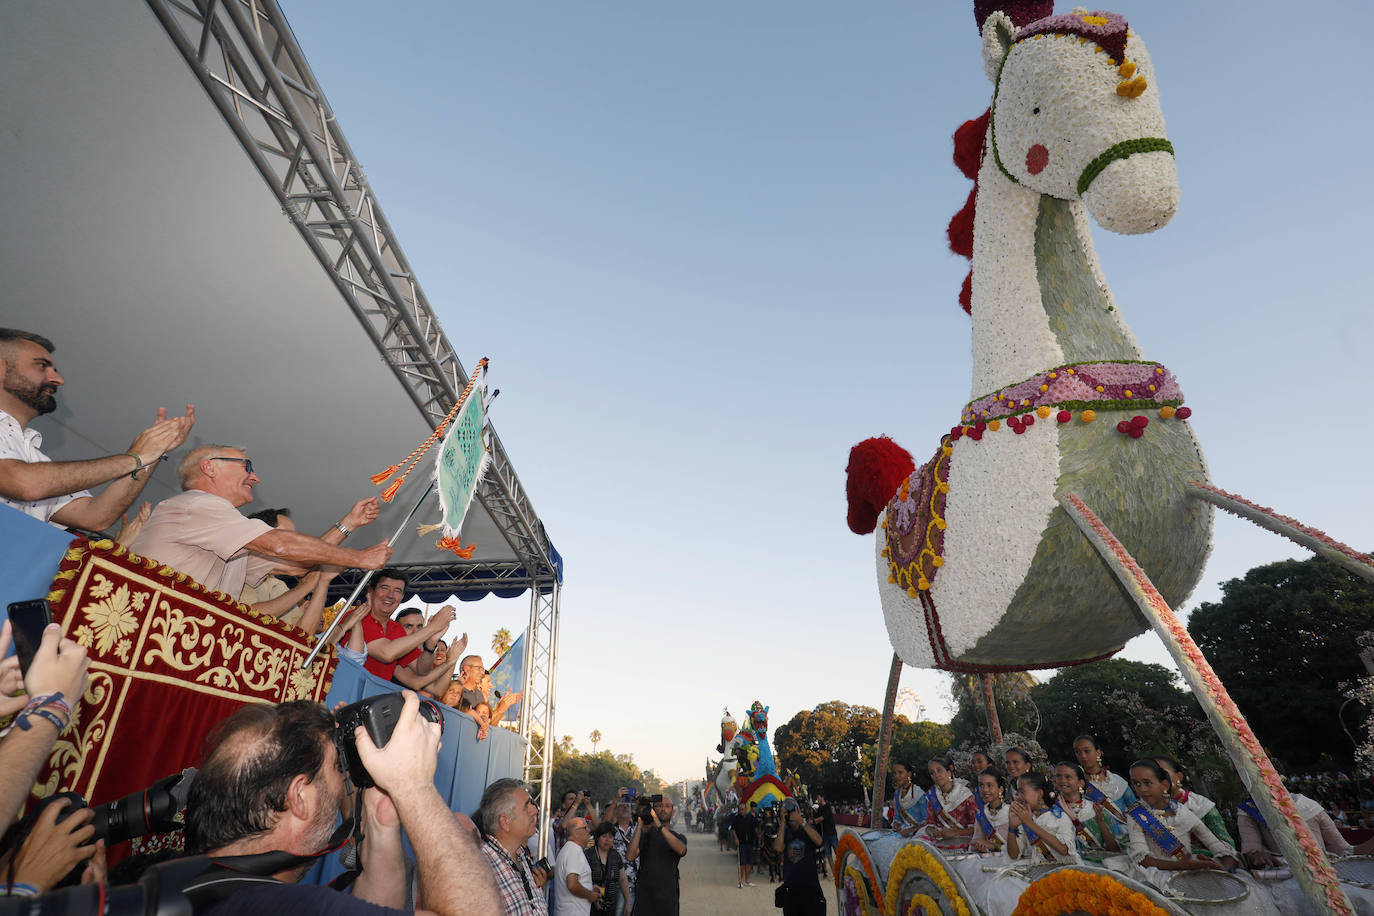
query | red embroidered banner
[169, 660]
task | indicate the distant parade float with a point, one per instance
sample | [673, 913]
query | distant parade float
[747, 773]
[1069, 506]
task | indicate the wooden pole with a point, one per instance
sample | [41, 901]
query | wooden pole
[1306, 859]
[894, 678]
[990, 701]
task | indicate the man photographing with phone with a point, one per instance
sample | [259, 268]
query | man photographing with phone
[658, 849]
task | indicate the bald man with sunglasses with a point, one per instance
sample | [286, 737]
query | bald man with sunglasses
[201, 532]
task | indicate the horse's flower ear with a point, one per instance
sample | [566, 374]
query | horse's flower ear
[998, 34]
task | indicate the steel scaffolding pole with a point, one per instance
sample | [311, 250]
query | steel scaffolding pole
[246, 57]
[537, 708]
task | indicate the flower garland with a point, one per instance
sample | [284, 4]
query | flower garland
[1085, 387]
[850, 844]
[1069, 891]
[1146, 594]
[920, 905]
[855, 897]
[920, 859]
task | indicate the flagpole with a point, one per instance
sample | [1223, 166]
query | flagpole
[358, 589]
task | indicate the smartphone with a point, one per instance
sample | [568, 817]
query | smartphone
[29, 619]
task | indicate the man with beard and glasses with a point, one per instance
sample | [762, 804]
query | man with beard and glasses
[272, 782]
[56, 491]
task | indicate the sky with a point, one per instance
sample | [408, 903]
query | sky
[703, 245]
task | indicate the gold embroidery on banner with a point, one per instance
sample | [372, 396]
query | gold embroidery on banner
[89, 727]
[111, 618]
[176, 627]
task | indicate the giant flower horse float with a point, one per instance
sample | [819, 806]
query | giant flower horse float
[747, 767]
[1069, 505]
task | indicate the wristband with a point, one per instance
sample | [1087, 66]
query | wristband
[24, 724]
[20, 890]
[346, 531]
[138, 461]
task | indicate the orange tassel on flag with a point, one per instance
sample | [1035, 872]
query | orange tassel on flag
[390, 492]
[377, 479]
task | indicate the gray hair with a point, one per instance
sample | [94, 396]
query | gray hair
[189, 467]
[498, 801]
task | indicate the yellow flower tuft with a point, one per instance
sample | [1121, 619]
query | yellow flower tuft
[1088, 416]
[1166, 411]
[1042, 412]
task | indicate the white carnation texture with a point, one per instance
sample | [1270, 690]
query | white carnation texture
[1012, 339]
[1060, 93]
[1001, 494]
[906, 627]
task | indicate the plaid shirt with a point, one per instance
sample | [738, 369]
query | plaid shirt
[520, 896]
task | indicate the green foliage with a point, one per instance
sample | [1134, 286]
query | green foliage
[833, 747]
[1015, 711]
[1283, 639]
[600, 775]
[1134, 709]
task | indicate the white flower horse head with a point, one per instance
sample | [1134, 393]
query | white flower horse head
[979, 567]
[1075, 114]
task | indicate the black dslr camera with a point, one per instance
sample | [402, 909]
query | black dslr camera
[378, 715]
[644, 807]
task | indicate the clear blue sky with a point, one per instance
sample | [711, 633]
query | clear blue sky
[703, 245]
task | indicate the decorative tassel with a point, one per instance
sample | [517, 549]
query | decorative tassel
[455, 546]
[423, 530]
[414, 457]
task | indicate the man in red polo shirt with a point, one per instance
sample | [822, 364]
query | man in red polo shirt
[388, 643]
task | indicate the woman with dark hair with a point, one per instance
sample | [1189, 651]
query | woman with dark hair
[608, 868]
[1103, 788]
[950, 807]
[990, 823]
[1159, 830]
[1018, 763]
[1091, 827]
[1201, 806]
[1038, 830]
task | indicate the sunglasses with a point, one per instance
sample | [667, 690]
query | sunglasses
[246, 462]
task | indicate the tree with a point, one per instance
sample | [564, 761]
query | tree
[833, 747]
[1133, 709]
[1016, 711]
[565, 745]
[595, 737]
[501, 641]
[1283, 639]
[599, 775]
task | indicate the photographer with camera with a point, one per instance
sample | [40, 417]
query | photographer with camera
[273, 782]
[800, 892]
[658, 849]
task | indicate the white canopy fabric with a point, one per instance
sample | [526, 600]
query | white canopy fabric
[140, 238]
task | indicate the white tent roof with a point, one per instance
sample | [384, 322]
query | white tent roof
[143, 241]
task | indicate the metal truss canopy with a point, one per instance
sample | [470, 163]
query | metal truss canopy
[244, 54]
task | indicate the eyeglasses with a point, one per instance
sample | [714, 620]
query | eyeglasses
[246, 462]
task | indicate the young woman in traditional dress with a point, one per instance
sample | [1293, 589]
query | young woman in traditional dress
[1038, 830]
[950, 807]
[1103, 787]
[1159, 829]
[1091, 826]
[990, 824]
[1018, 763]
[1200, 805]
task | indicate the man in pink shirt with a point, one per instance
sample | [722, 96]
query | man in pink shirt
[201, 532]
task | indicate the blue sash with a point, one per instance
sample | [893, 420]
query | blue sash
[1036, 839]
[1248, 807]
[933, 802]
[902, 813]
[1095, 795]
[989, 831]
[1157, 831]
[1081, 830]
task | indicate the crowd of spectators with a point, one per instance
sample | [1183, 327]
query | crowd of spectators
[275, 790]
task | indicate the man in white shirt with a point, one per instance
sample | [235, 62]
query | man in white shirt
[56, 491]
[573, 893]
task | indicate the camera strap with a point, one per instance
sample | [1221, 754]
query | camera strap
[226, 875]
